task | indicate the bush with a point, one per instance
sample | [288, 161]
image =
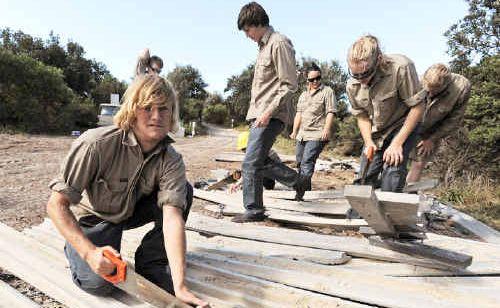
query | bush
[217, 114]
[34, 97]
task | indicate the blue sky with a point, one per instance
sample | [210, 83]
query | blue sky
[204, 33]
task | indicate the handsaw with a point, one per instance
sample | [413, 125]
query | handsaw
[126, 279]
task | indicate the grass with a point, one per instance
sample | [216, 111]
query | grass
[475, 195]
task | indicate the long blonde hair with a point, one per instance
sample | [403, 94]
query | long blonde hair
[140, 94]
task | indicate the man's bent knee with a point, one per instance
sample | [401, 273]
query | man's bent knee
[93, 284]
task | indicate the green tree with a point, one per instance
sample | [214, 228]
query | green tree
[82, 75]
[239, 88]
[476, 35]
[190, 87]
[102, 92]
[473, 44]
[35, 98]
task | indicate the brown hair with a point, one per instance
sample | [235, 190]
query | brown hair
[140, 93]
[156, 59]
[252, 14]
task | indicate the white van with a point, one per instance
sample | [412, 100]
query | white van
[106, 113]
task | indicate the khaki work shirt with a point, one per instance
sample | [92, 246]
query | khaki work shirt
[314, 107]
[275, 78]
[105, 173]
[388, 98]
[444, 112]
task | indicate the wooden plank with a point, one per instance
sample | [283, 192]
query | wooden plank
[362, 198]
[486, 260]
[11, 298]
[308, 196]
[292, 217]
[337, 207]
[48, 235]
[239, 156]
[218, 288]
[472, 225]
[230, 245]
[401, 208]
[443, 256]
[364, 288]
[276, 295]
[421, 186]
[25, 259]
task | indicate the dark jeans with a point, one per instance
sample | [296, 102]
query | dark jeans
[393, 177]
[258, 165]
[307, 152]
[150, 257]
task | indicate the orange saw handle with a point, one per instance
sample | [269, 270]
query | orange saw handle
[121, 268]
[369, 154]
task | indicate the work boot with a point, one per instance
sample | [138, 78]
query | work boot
[249, 217]
[299, 194]
[300, 188]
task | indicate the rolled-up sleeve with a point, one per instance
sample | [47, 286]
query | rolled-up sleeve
[356, 110]
[77, 171]
[284, 64]
[330, 102]
[172, 190]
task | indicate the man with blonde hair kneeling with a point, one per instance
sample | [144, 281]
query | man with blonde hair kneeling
[121, 177]
[380, 92]
[445, 96]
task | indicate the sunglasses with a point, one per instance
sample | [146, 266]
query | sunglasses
[314, 79]
[364, 74]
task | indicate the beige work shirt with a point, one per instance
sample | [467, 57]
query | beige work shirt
[275, 78]
[444, 112]
[105, 173]
[387, 99]
[314, 107]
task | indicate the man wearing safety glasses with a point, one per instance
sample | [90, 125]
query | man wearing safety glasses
[380, 92]
[312, 126]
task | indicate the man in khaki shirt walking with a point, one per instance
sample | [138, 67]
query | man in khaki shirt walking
[445, 96]
[380, 92]
[274, 82]
[121, 177]
[313, 124]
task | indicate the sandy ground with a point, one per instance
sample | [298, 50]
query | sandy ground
[29, 162]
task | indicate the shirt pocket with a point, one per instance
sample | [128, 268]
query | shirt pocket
[384, 107]
[109, 196]
[264, 69]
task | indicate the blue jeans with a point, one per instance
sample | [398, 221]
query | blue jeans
[150, 257]
[393, 177]
[307, 152]
[258, 165]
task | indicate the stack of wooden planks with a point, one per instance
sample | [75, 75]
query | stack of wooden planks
[255, 265]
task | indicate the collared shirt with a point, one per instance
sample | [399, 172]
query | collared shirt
[314, 106]
[275, 78]
[444, 112]
[105, 173]
[387, 99]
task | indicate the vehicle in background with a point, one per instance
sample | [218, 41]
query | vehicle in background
[108, 111]
[106, 114]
